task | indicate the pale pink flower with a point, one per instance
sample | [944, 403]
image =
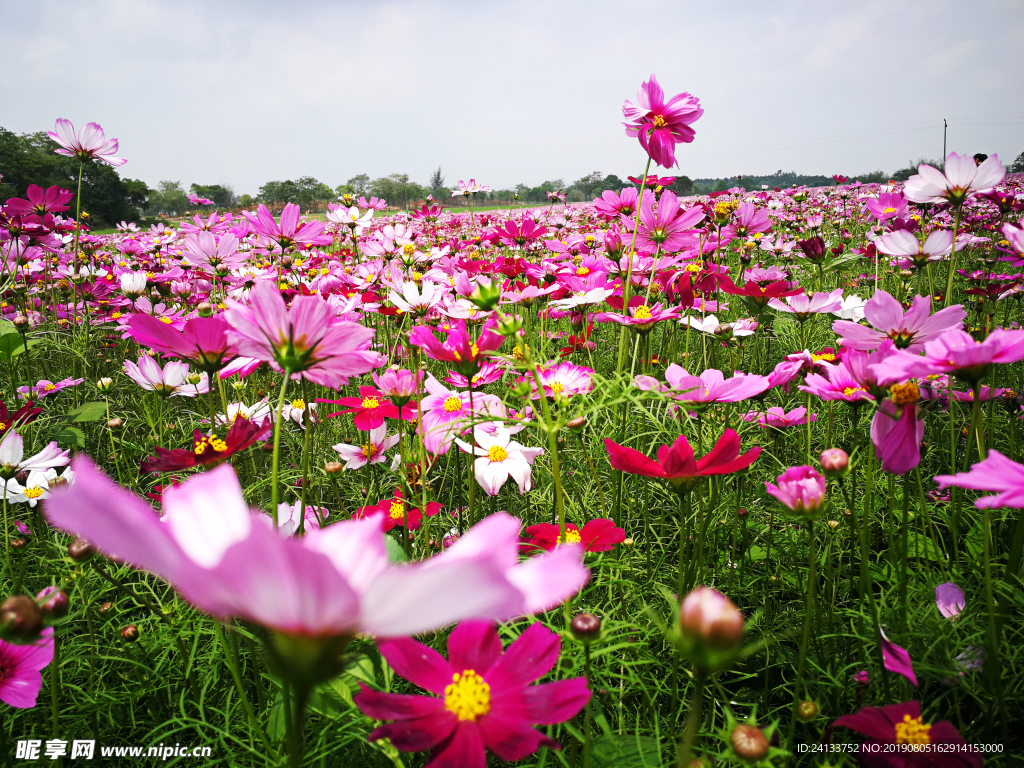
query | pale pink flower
[910, 330]
[89, 144]
[170, 381]
[963, 178]
[370, 452]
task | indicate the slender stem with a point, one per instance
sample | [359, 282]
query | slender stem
[276, 463]
[952, 258]
[55, 684]
[693, 720]
[627, 283]
[800, 687]
[308, 422]
[589, 713]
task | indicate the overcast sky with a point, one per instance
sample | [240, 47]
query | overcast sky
[504, 91]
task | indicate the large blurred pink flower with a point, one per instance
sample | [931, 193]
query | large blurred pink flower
[963, 178]
[998, 474]
[337, 581]
[304, 338]
[483, 699]
[910, 330]
[20, 665]
[896, 433]
[660, 125]
[89, 144]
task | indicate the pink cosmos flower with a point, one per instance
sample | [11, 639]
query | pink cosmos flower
[20, 679]
[836, 384]
[227, 561]
[482, 699]
[900, 242]
[950, 600]
[896, 432]
[778, 418]
[520, 233]
[996, 473]
[897, 659]
[39, 202]
[800, 489]
[612, 205]
[565, 379]
[89, 144]
[46, 388]
[289, 232]
[370, 452]
[447, 412]
[169, 381]
[667, 228]
[373, 204]
[710, 387]
[803, 306]
[304, 338]
[459, 349]
[956, 353]
[910, 330]
[1014, 236]
[888, 205]
[203, 340]
[208, 251]
[498, 458]
[963, 178]
[660, 125]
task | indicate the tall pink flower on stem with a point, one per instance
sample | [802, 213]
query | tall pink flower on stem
[909, 330]
[88, 144]
[667, 228]
[288, 231]
[660, 124]
[483, 699]
[20, 665]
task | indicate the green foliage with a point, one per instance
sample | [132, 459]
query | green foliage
[168, 198]
[302, 191]
[222, 196]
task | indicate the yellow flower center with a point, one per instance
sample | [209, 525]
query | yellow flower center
[452, 403]
[165, 320]
[851, 391]
[468, 697]
[370, 403]
[889, 210]
[474, 350]
[49, 388]
[417, 276]
[397, 511]
[213, 442]
[497, 453]
[369, 450]
[643, 312]
[33, 493]
[298, 405]
[828, 357]
[582, 271]
[408, 249]
[3, 426]
[116, 315]
[694, 267]
[912, 731]
[557, 387]
[572, 537]
[904, 394]
[659, 121]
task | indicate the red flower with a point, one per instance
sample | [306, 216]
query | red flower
[676, 463]
[759, 297]
[903, 725]
[371, 408]
[483, 699]
[24, 415]
[599, 535]
[208, 450]
[396, 513]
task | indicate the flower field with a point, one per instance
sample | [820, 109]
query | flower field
[725, 479]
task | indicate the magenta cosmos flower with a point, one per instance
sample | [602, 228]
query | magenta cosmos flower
[956, 353]
[836, 384]
[710, 387]
[887, 205]
[39, 202]
[20, 665]
[963, 178]
[89, 144]
[447, 413]
[800, 489]
[227, 561]
[203, 340]
[305, 338]
[666, 229]
[482, 698]
[459, 349]
[998, 474]
[897, 430]
[660, 125]
[289, 232]
[910, 330]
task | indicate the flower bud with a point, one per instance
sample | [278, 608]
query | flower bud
[106, 609]
[104, 384]
[20, 619]
[20, 322]
[53, 602]
[509, 324]
[806, 710]
[585, 627]
[833, 524]
[81, 551]
[115, 423]
[18, 544]
[486, 296]
[333, 467]
[576, 423]
[742, 512]
[194, 378]
[749, 742]
[710, 627]
[130, 633]
[835, 462]
[205, 309]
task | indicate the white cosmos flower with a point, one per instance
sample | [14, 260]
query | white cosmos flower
[499, 457]
[370, 452]
[36, 487]
[13, 461]
[852, 309]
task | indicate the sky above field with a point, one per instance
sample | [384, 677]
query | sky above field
[241, 93]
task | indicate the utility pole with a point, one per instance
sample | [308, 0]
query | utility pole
[943, 145]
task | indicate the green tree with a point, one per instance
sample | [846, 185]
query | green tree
[246, 201]
[612, 182]
[360, 184]
[1017, 166]
[222, 196]
[168, 198]
[589, 186]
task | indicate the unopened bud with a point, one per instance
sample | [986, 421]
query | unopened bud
[807, 710]
[194, 378]
[724, 330]
[20, 619]
[576, 423]
[509, 324]
[333, 467]
[130, 633]
[20, 322]
[833, 524]
[835, 462]
[585, 627]
[709, 624]
[205, 309]
[18, 544]
[115, 423]
[106, 609]
[53, 602]
[749, 742]
[742, 512]
[81, 551]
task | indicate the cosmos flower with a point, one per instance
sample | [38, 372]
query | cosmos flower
[482, 698]
[13, 461]
[370, 452]
[89, 144]
[660, 125]
[996, 473]
[21, 665]
[498, 458]
[949, 599]
[370, 409]
[396, 512]
[598, 535]
[202, 341]
[46, 388]
[962, 179]
[778, 418]
[208, 450]
[710, 387]
[799, 489]
[288, 232]
[170, 381]
[908, 330]
[26, 414]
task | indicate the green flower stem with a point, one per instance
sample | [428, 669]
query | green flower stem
[801, 686]
[275, 470]
[952, 259]
[307, 418]
[590, 704]
[55, 683]
[904, 541]
[231, 651]
[629, 274]
[693, 719]
[685, 502]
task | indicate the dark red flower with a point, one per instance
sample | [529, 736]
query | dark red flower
[207, 450]
[371, 408]
[600, 535]
[902, 724]
[397, 512]
[24, 415]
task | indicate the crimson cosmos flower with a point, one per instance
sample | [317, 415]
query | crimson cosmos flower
[902, 724]
[676, 463]
[396, 513]
[208, 450]
[600, 535]
[371, 408]
[483, 699]
[24, 415]
[758, 296]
